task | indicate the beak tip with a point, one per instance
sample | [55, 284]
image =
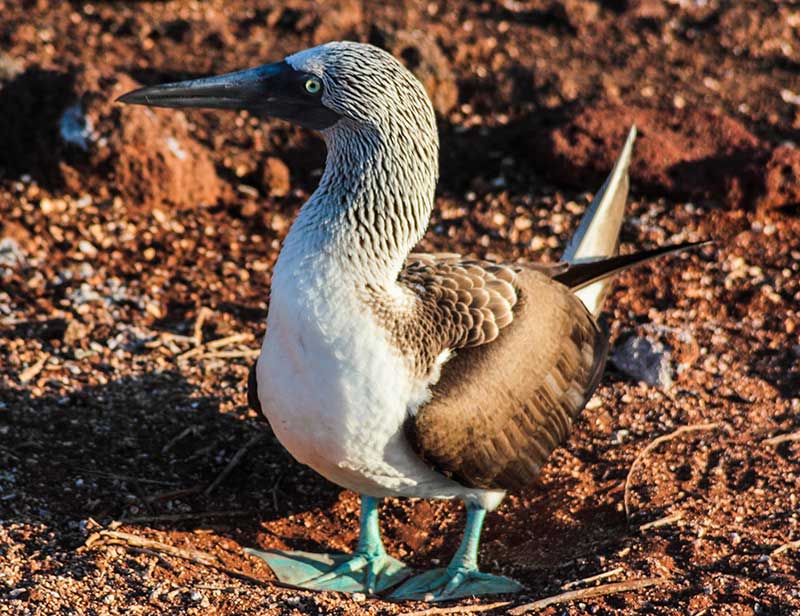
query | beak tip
[128, 98]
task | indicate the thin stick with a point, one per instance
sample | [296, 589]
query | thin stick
[234, 461]
[232, 339]
[160, 557]
[110, 537]
[118, 537]
[653, 444]
[464, 609]
[231, 354]
[202, 315]
[190, 515]
[662, 521]
[174, 440]
[594, 578]
[170, 494]
[90, 471]
[191, 353]
[588, 593]
[33, 370]
[782, 438]
[792, 545]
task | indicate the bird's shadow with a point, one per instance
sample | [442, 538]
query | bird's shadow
[144, 450]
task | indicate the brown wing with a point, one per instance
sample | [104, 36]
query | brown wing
[500, 408]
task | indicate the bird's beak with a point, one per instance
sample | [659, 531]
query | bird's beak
[274, 90]
[245, 89]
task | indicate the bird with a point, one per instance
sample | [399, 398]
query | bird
[399, 374]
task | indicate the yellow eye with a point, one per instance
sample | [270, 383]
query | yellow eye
[313, 86]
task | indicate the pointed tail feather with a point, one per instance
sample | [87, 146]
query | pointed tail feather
[582, 275]
[597, 235]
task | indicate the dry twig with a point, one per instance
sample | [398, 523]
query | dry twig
[189, 515]
[593, 578]
[232, 339]
[91, 471]
[111, 537]
[652, 445]
[184, 433]
[234, 461]
[231, 354]
[114, 537]
[32, 371]
[782, 438]
[202, 315]
[791, 545]
[588, 593]
[463, 609]
[662, 521]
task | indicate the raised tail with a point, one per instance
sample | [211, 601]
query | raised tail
[581, 276]
[597, 235]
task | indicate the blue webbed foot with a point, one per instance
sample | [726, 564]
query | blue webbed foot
[358, 572]
[445, 584]
[369, 569]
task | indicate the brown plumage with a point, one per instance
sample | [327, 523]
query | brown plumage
[528, 355]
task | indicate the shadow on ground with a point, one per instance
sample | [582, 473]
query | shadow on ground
[145, 449]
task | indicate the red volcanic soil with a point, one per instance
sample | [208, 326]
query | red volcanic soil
[136, 248]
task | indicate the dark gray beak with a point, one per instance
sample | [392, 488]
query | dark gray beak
[275, 90]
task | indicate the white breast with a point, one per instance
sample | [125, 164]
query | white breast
[334, 388]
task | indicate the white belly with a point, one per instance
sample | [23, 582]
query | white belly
[336, 391]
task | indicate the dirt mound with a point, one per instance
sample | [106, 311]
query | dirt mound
[60, 127]
[150, 153]
[687, 154]
[782, 179]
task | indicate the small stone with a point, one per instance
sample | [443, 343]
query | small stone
[359, 597]
[75, 128]
[10, 253]
[644, 360]
[87, 248]
[275, 177]
[196, 596]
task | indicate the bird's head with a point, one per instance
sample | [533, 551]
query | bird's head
[316, 88]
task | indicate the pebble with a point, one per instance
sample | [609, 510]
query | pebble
[75, 128]
[645, 360]
[87, 248]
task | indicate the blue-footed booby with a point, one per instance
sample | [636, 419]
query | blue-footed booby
[400, 374]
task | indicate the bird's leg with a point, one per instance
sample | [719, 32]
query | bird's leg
[369, 569]
[461, 578]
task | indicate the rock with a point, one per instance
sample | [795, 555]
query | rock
[782, 179]
[11, 254]
[644, 359]
[64, 127]
[75, 128]
[10, 67]
[275, 177]
[154, 158]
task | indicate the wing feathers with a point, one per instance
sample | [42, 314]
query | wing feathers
[580, 275]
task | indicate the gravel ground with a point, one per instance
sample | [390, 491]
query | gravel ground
[136, 249]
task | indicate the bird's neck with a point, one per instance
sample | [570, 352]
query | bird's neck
[373, 202]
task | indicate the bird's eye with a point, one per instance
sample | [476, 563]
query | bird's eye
[313, 86]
